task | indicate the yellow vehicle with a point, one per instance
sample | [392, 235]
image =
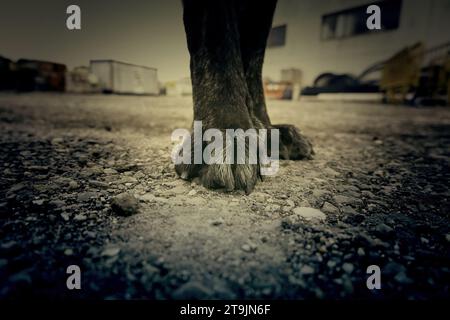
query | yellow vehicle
[417, 75]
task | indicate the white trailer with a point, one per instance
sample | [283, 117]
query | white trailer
[127, 78]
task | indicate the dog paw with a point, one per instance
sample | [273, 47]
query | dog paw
[293, 144]
[219, 173]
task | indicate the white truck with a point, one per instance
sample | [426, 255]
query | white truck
[125, 78]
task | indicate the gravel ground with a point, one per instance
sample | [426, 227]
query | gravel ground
[88, 180]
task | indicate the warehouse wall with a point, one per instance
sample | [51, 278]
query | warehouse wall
[305, 50]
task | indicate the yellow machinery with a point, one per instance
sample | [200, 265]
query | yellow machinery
[424, 74]
[401, 73]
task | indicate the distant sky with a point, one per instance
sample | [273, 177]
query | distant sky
[147, 32]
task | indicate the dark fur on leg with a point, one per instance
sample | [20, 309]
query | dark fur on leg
[226, 41]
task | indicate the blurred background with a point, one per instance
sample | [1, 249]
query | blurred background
[320, 50]
[87, 179]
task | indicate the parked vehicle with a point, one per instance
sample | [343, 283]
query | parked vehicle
[339, 83]
[279, 90]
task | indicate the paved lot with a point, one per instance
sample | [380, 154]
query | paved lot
[380, 175]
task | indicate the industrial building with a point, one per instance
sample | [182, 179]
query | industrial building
[331, 36]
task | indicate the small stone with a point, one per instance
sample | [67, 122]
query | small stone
[38, 168]
[125, 204]
[348, 267]
[65, 216]
[347, 285]
[80, 217]
[402, 278]
[180, 189]
[361, 252]
[3, 263]
[128, 167]
[73, 185]
[272, 208]
[86, 196]
[307, 270]
[383, 230]
[343, 200]
[98, 184]
[331, 172]
[320, 194]
[42, 188]
[196, 201]
[109, 171]
[259, 196]
[378, 141]
[57, 203]
[16, 187]
[249, 247]
[38, 202]
[290, 203]
[367, 194]
[348, 211]
[9, 245]
[354, 218]
[290, 222]
[57, 140]
[309, 214]
[68, 252]
[393, 268]
[192, 290]
[217, 222]
[329, 208]
[111, 252]
[81, 158]
[3, 206]
[447, 237]
[192, 192]
[20, 279]
[90, 234]
[331, 264]
[147, 197]
[397, 249]
[10, 249]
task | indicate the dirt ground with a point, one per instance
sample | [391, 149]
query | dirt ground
[380, 177]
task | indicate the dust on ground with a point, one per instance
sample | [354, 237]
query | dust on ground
[380, 178]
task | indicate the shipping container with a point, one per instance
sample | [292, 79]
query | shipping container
[7, 75]
[125, 78]
[40, 75]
